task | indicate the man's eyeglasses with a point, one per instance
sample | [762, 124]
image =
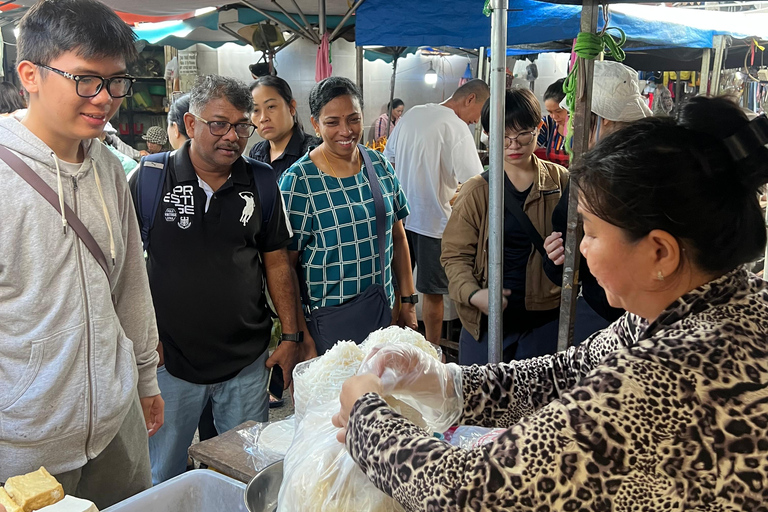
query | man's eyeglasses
[523, 139]
[221, 128]
[89, 86]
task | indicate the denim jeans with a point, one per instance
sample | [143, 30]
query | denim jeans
[239, 399]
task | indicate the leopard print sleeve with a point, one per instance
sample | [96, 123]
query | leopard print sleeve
[583, 451]
[499, 395]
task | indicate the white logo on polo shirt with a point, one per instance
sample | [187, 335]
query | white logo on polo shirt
[248, 208]
[184, 222]
[170, 214]
[183, 200]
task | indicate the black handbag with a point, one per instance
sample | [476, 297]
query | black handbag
[356, 318]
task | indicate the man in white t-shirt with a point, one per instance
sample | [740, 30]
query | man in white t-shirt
[433, 150]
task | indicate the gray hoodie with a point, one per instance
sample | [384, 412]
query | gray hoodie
[71, 362]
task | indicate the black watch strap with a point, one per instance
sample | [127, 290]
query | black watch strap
[411, 299]
[296, 338]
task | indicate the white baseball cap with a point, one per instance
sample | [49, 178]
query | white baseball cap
[616, 93]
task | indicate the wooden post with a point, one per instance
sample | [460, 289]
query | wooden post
[581, 131]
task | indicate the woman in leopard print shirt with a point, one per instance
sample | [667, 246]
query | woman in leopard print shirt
[667, 409]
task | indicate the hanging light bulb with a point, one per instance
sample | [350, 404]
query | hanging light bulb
[430, 77]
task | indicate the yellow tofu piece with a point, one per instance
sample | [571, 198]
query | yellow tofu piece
[34, 490]
[8, 503]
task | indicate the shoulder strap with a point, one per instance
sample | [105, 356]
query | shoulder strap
[378, 202]
[513, 206]
[266, 188]
[36, 182]
[149, 186]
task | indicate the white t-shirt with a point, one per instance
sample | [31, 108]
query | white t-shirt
[432, 150]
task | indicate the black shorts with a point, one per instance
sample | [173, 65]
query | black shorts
[425, 254]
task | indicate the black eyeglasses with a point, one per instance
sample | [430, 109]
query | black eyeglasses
[221, 128]
[88, 86]
[523, 139]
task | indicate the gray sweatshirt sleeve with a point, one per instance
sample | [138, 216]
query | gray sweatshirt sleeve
[133, 299]
[122, 147]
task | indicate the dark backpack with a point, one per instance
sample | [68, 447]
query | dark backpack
[151, 178]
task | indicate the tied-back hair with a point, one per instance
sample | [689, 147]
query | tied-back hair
[87, 27]
[212, 87]
[329, 89]
[682, 179]
[176, 113]
[555, 91]
[285, 92]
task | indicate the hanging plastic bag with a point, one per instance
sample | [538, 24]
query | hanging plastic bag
[267, 443]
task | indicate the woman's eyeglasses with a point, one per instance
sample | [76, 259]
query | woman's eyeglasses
[523, 139]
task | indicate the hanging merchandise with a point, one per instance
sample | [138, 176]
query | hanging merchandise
[323, 67]
[467, 76]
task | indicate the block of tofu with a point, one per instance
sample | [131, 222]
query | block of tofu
[71, 504]
[34, 490]
[8, 503]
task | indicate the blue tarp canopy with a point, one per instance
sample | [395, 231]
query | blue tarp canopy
[462, 24]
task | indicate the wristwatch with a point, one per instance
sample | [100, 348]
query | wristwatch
[411, 299]
[296, 338]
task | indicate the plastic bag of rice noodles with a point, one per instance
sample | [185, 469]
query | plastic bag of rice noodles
[319, 475]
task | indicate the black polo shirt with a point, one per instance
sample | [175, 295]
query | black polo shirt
[297, 147]
[205, 273]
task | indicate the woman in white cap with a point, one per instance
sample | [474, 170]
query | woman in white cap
[616, 102]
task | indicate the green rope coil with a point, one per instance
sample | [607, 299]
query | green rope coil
[487, 8]
[589, 46]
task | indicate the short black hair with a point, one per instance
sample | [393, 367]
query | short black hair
[176, 113]
[329, 89]
[211, 87]
[282, 88]
[87, 27]
[656, 173]
[10, 98]
[521, 111]
[555, 91]
[397, 102]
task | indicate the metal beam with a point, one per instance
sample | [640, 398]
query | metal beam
[706, 63]
[294, 37]
[322, 18]
[274, 20]
[224, 28]
[359, 59]
[496, 178]
[299, 27]
[307, 24]
[581, 131]
[350, 12]
[717, 67]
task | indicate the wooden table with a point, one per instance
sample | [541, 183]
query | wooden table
[226, 454]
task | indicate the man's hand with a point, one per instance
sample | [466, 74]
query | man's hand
[153, 408]
[407, 316]
[553, 244]
[480, 299]
[287, 355]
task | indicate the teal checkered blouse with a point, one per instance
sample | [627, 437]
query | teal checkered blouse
[334, 228]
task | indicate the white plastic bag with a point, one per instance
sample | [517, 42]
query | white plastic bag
[469, 437]
[268, 442]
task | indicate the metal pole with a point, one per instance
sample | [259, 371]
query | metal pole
[581, 130]
[706, 63]
[307, 24]
[299, 26]
[274, 20]
[496, 178]
[359, 58]
[321, 17]
[482, 65]
[349, 14]
[718, 65]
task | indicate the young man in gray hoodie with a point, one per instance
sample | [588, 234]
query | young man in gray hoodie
[78, 378]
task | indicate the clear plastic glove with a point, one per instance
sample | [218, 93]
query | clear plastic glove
[421, 381]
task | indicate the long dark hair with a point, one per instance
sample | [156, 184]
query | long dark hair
[10, 99]
[283, 89]
[176, 113]
[682, 178]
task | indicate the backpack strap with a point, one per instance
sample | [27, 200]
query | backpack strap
[150, 181]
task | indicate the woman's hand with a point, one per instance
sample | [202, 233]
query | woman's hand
[480, 299]
[553, 244]
[351, 391]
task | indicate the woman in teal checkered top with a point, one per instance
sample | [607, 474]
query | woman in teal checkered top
[332, 212]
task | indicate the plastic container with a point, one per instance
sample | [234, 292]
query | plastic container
[200, 490]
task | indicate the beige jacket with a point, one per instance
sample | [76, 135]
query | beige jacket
[465, 243]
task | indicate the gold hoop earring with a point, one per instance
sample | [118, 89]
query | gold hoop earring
[660, 276]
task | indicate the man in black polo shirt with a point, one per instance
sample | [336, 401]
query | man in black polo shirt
[206, 247]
